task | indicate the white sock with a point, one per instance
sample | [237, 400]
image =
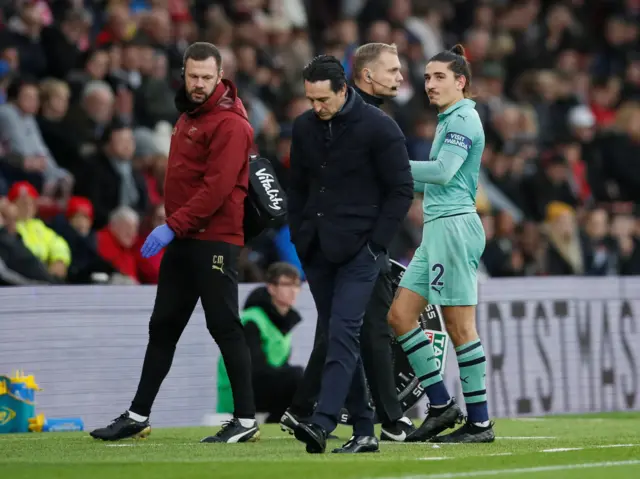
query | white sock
[482, 424]
[137, 417]
[247, 422]
[441, 405]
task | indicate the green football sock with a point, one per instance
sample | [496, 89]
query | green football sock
[422, 357]
[473, 367]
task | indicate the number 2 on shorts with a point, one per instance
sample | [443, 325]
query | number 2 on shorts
[436, 284]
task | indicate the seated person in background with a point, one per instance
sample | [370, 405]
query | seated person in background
[20, 132]
[18, 266]
[75, 227]
[268, 318]
[116, 243]
[42, 241]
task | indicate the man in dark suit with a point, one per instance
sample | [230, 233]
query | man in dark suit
[376, 77]
[350, 190]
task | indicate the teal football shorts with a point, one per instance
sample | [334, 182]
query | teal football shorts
[445, 265]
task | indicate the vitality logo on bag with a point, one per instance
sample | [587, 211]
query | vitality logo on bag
[275, 196]
[6, 415]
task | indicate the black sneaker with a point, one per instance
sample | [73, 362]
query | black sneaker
[313, 436]
[438, 419]
[359, 444]
[468, 433]
[397, 431]
[123, 427]
[232, 432]
[289, 421]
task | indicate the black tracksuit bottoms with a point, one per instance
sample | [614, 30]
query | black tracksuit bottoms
[191, 270]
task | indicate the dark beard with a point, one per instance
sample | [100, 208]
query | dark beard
[198, 102]
[183, 100]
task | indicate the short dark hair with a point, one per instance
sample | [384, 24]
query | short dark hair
[17, 84]
[458, 64]
[323, 68]
[279, 269]
[200, 51]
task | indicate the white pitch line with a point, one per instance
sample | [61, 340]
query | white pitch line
[432, 458]
[523, 470]
[602, 446]
[526, 437]
[563, 449]
[606, 446]
[498, 454]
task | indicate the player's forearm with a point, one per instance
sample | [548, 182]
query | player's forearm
[439, 171]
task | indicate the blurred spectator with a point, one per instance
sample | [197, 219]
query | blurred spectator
[502, 255]
[21, 137]
[75, 226]
[61, 42]
[112, 181]
[550, 183]
[602, 259]
[624, 232]
[567, 249]
[24, 31]
[18, 265]
[45, 244]
[54, 105]
[89, 119]
[116, 243]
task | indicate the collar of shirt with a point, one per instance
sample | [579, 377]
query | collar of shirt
[456, 106]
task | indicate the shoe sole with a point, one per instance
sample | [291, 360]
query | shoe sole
[435, 432]
[312, 446]
[338, 451]
[285, 428]
[254, 438]
[434, 440]
[144, 434]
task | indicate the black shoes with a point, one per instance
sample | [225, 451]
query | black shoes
[397, 431]
[123, 427]
[313, 436]
[438, 419]
[233, 432]
[359, 444]
[468, 433]
[289, 421]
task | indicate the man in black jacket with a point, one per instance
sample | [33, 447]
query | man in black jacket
[376, 77]
[350, 190]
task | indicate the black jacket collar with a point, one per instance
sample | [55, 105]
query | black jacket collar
[370, 99]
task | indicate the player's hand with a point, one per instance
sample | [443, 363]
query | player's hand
[160, 237]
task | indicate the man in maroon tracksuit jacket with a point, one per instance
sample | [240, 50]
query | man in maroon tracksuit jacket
[205, 187]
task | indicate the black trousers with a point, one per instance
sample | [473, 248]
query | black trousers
[341, 293]
[274, 390]
[192, 270]
[375, 344]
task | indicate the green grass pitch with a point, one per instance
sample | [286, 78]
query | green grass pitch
[567, 447]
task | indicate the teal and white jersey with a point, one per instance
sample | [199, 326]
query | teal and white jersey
[449, 179]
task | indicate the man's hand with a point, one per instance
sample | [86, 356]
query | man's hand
[160, 237]
[380, 256]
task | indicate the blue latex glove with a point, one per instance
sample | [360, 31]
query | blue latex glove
[160, 237]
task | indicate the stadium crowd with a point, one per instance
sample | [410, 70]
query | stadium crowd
[87, 111]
